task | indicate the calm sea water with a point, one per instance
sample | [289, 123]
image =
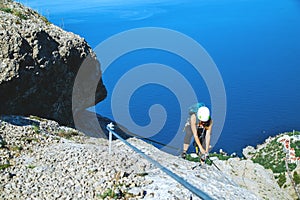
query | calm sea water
[254, 43]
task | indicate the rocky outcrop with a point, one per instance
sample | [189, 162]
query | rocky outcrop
[42, 160]
[39, 159]
[253, 177]
[280, 155]
[38, 65]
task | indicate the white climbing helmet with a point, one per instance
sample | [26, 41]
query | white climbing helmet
[203, 114]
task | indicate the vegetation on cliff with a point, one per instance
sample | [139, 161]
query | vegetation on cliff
[20, 12]
[281, 154]
[272, 157]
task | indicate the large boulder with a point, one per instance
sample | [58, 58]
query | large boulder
[38, 65]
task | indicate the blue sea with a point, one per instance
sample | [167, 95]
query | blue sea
[254, 44]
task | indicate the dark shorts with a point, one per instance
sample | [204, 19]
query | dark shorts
[189, 134]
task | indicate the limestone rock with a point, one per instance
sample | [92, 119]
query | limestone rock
[253, 177]
[38, 65]
[49, 166]
[248, 152]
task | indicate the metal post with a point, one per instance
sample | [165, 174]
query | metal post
[109, 144]
[110, 128]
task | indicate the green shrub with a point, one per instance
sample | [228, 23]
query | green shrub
[282, 179]
[3, 143]
[20, 15]
[12, 11]
[67, 134]
[16, 148]
[292, 166]
[190, 158]
[278, 168]
[296, 178]
[45, 20]
[30, 139]
[30, 166]
[36, 129]
[108, 193]
[220, 156]
[142, 174]
[7, 10]
[4, 166]
[271, 157]
[297, 148]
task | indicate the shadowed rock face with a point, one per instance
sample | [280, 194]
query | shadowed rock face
[38, 65]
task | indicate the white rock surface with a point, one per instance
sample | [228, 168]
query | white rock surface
[51, 167]
[253, 177]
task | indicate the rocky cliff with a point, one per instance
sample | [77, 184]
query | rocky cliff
[41, 160]
[38, 65]
[281, 155]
